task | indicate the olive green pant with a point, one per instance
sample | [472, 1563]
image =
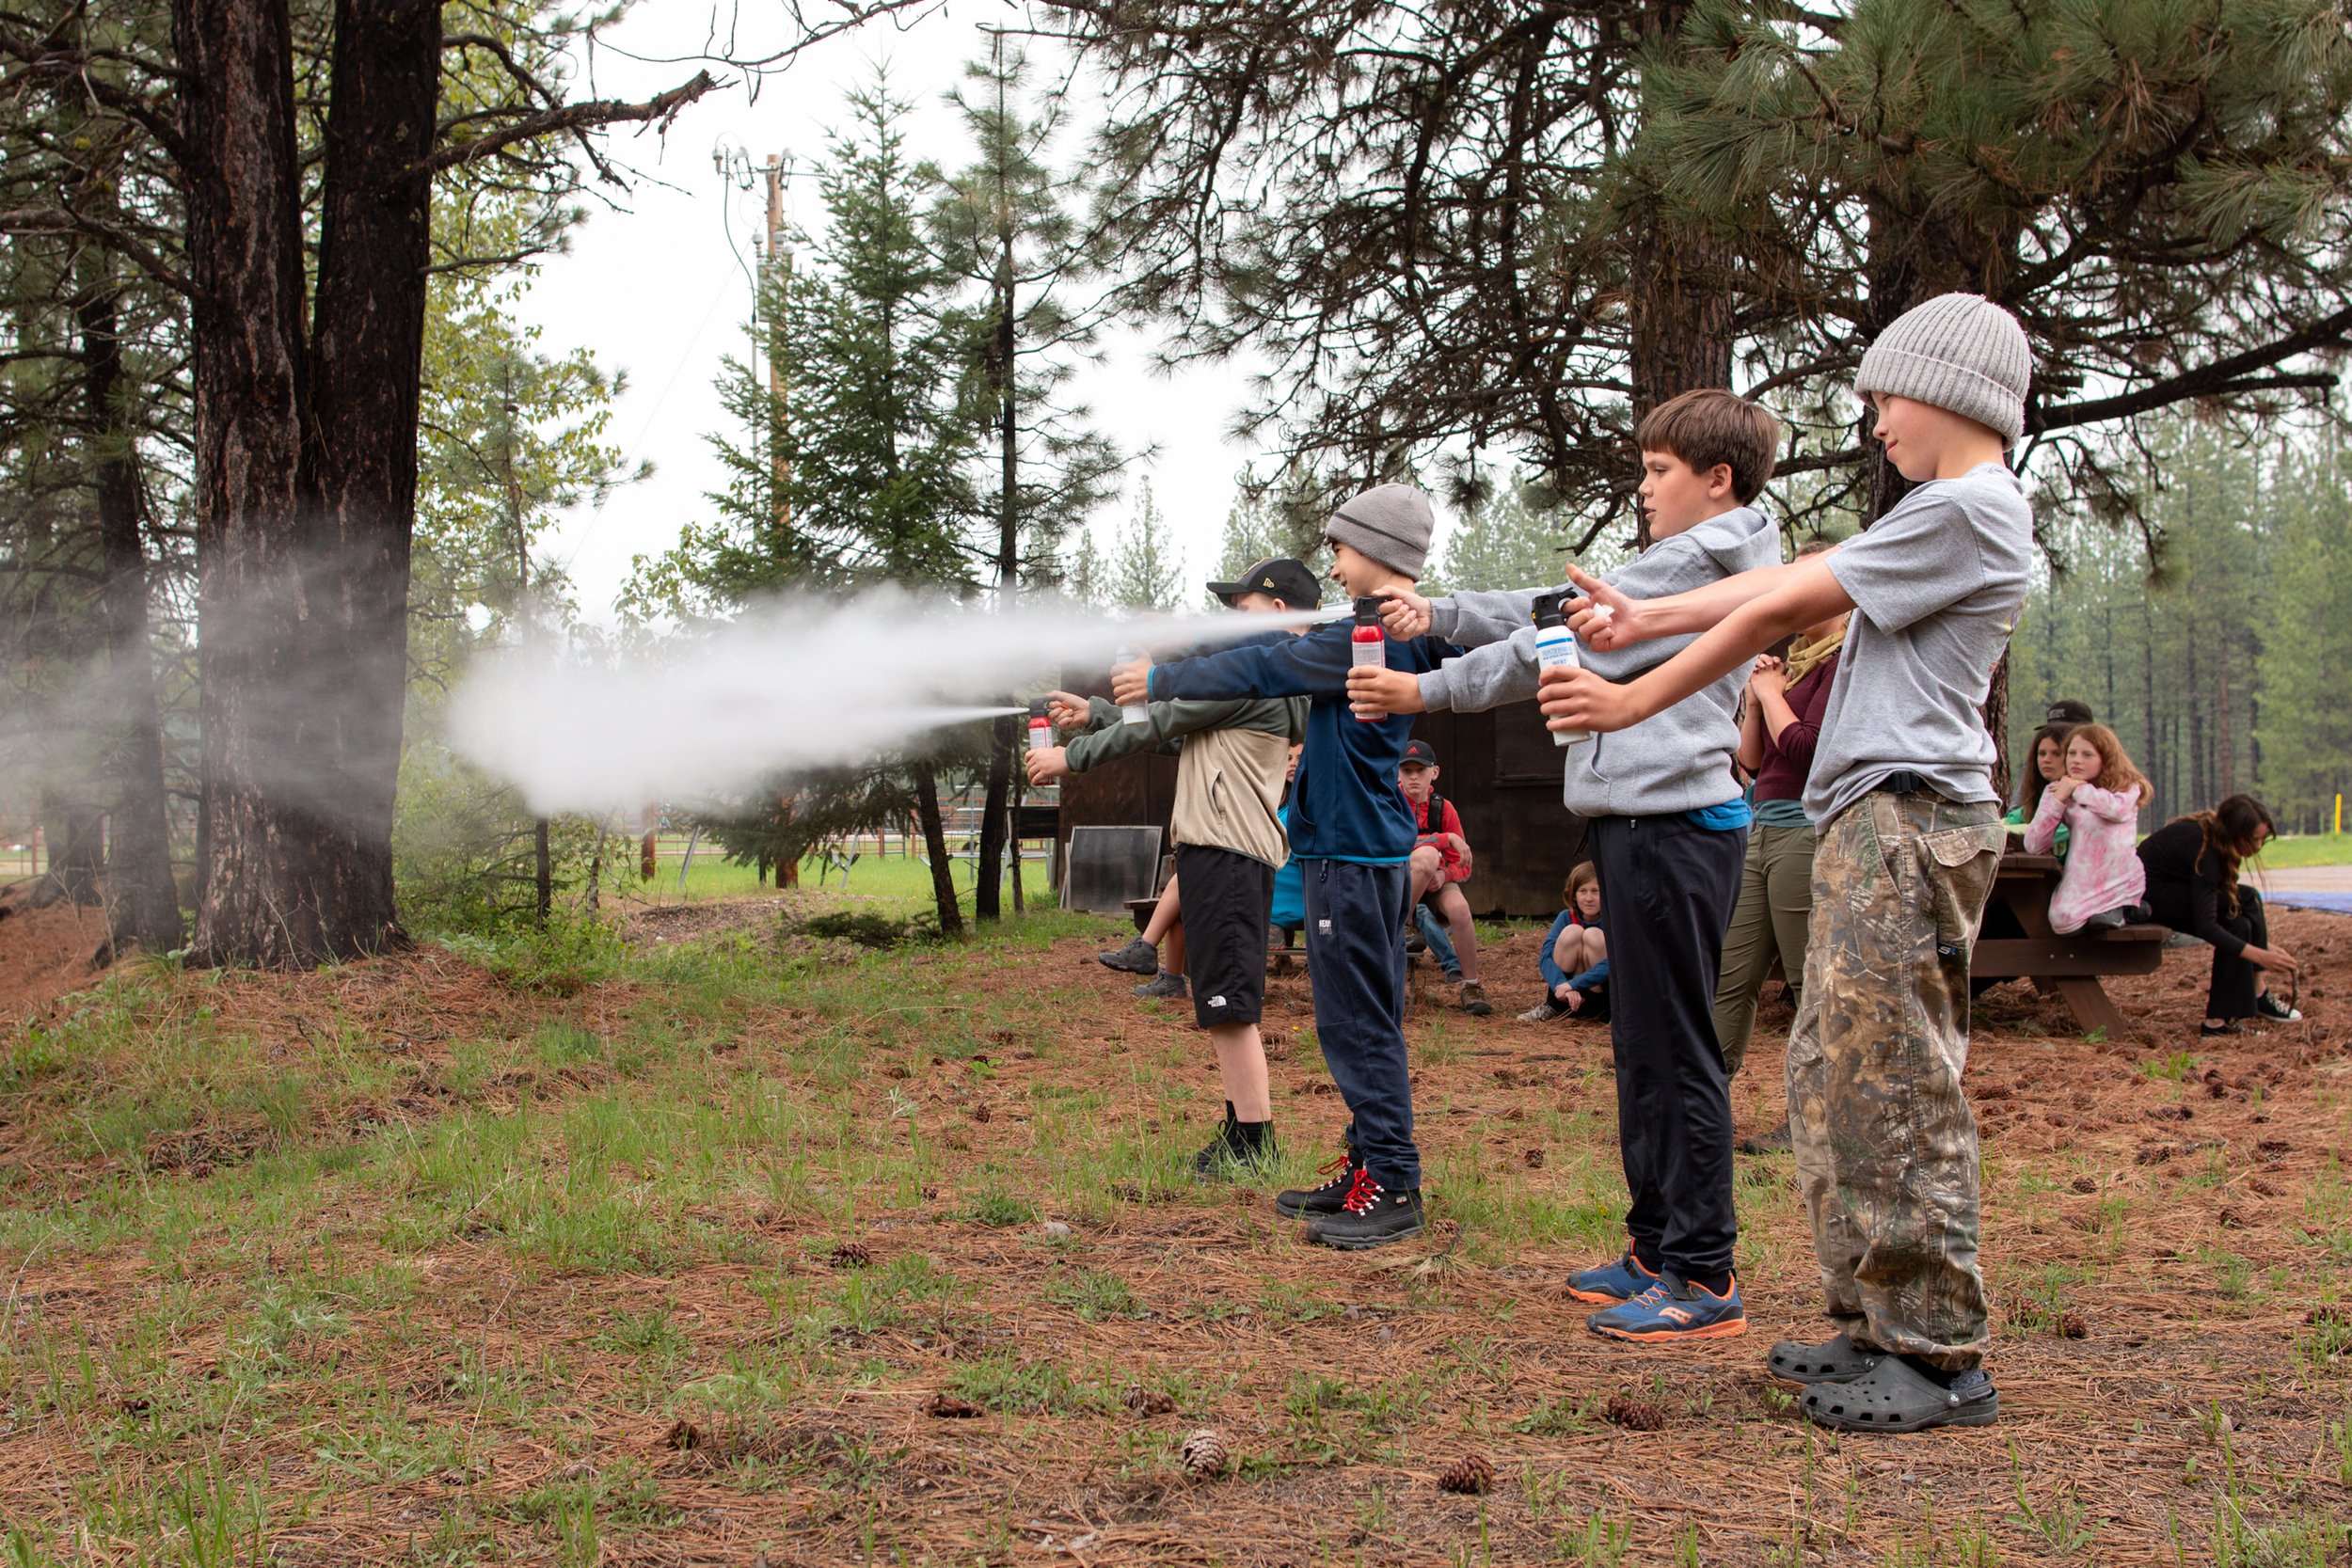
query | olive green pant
[1885, 1143]
[1768, 923]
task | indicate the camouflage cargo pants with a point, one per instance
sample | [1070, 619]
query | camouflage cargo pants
[1885, 1143]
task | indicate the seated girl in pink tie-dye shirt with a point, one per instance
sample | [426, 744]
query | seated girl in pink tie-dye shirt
[2097, 802]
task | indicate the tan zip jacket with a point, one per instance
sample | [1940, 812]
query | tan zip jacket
[1232, 758]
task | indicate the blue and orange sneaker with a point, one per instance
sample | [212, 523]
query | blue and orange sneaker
[1611, 1282]
[1674, 1309]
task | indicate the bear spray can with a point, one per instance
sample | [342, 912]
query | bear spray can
[1133, 713]
[1368, 640]
[1040, 727]
[1555, 644]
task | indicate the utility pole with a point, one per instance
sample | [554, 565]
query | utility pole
[779, 269]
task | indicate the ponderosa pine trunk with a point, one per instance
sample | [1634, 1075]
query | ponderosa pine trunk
[304, 465]
[262, 796]
[1006, 734]
[73, 851]
[935, 848]
[1679, 284]
[142, 901]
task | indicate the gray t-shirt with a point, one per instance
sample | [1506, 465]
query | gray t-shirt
[1936, 585]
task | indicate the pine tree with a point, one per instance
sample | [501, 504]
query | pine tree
[1002, 224]
[1147, 569]
[2306, 725]
[1255, 529]
[874, 482]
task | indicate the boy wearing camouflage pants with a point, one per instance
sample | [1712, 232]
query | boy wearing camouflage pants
[1911, 839]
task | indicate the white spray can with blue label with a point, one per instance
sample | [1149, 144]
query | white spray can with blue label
[1555, 645]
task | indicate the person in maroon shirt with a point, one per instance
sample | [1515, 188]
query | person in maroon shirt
[1777, 734]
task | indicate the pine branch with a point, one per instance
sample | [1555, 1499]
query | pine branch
[572, 117]
[2236, 372]
[61, 220]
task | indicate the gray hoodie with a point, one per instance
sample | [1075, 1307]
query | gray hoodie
[1677, 761]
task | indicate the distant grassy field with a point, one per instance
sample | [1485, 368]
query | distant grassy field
[874, 876]
[2309, 849]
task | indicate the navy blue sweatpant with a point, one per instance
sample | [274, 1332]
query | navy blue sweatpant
[1356, 962]
[1668, 886]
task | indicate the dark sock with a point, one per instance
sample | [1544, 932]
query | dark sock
[1719, 1283]
[1649, 1258]
[1252, 1134]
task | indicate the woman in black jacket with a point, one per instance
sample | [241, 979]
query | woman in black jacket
[2192, 867]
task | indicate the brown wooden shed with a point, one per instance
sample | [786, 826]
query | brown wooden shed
[1500, 769]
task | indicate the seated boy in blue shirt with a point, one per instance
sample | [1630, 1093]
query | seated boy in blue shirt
[1352, 833]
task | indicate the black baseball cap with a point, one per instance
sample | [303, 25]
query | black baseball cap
[1284, 579]
[1421, 753]
[2068, 710]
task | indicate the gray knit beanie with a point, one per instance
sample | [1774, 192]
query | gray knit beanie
[1959, 352]
[1391, 523]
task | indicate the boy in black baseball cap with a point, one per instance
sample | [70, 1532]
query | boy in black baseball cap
[1232, 759]
[1276, 577]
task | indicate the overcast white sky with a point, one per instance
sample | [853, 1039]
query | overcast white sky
[654, 289]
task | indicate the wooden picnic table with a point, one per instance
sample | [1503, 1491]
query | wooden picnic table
[2072, 966]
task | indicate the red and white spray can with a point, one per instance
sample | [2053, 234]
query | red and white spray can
[1040, 728]
[1368, 640]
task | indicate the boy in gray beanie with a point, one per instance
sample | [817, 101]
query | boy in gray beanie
[1352, 833]
[1910, 841]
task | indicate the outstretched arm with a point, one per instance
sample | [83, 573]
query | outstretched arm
[1791, 598]
[1610, 618]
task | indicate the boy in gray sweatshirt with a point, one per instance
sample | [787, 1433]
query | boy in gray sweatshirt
[1668, 835]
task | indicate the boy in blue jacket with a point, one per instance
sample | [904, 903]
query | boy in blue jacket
[1352, 833]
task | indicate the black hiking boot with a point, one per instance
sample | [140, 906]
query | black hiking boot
[1138, 957]
[1303, 1203]
[1371, 1216]
[1240, 1149]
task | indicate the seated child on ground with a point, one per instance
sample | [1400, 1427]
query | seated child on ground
[1575, 956]
[1440, 863]
[2096, 802]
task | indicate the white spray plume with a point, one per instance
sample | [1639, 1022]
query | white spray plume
[791, 685]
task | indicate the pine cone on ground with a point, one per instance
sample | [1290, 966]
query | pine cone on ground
[1470, 1475]
[685, 1436]
[947, 1407]
[1149, 1401]
[2073, 1325]
[1634, 1415]
[1204, 1453]
[851, 1255]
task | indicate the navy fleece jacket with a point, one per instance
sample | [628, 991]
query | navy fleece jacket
[1344, 804]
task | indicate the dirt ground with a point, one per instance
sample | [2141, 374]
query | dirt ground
[975, 1317]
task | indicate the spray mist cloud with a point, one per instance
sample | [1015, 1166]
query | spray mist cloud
[792, 686]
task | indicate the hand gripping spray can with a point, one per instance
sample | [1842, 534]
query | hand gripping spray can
[1368, 640]
[1133, 713]
[1040, 727]
[1555, 644]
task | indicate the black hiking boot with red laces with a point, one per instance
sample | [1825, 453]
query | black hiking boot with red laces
[1301, 1203]
[1370, 1216]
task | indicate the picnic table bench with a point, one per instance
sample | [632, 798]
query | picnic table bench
[2072, 966]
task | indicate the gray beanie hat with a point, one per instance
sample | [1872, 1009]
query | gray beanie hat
[1959, 352]
[1391, 523]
